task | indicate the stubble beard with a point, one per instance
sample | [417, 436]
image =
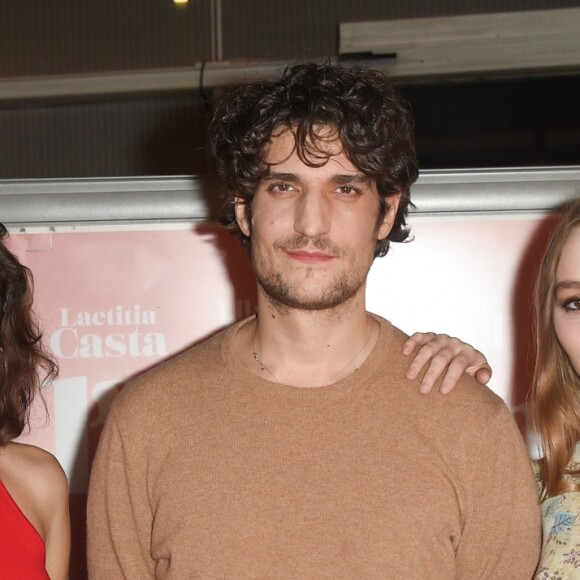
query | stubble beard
[286, 296]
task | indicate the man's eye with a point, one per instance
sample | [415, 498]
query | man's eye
[348, 190]
[280, 187]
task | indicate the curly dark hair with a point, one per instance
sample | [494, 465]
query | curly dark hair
[25, 365]
[373, 122]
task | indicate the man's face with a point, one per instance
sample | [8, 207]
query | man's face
[313, 229]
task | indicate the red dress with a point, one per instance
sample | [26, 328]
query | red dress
[22, 551]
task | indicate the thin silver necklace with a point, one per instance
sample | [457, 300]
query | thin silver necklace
[263, 366]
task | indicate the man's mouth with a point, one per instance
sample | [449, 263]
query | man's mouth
[315, 257]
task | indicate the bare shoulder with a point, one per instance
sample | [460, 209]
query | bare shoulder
[37, 471]
[36, 462]
[36, 482]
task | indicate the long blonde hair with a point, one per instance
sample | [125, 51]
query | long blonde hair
[556, 385]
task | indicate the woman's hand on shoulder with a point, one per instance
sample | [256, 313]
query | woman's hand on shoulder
[446, 357]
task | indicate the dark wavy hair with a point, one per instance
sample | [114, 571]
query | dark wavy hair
[25, 365]
[373, 122]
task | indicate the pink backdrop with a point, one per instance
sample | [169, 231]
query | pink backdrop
[116, 301]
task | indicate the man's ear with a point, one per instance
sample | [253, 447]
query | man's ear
[386, 225]
[241, 211]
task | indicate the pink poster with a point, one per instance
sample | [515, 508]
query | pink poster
[115, 301]
[113, 304]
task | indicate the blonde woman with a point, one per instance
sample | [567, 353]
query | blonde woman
[556, 397]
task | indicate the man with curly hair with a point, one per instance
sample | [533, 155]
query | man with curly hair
[291, 445]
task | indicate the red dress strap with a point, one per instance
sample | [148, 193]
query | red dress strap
[22, 550]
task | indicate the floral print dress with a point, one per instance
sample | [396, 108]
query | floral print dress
[560, 559]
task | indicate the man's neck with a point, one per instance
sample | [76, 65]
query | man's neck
[307, 348]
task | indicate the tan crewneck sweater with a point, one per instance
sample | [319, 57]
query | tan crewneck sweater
[206, 471]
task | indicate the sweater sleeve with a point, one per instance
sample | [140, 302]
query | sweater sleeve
[502, 532]
[119, 516]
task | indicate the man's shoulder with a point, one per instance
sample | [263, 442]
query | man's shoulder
[177, 375]
[468, 421]
[467, 397]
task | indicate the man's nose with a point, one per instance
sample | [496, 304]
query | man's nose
[312, 215]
